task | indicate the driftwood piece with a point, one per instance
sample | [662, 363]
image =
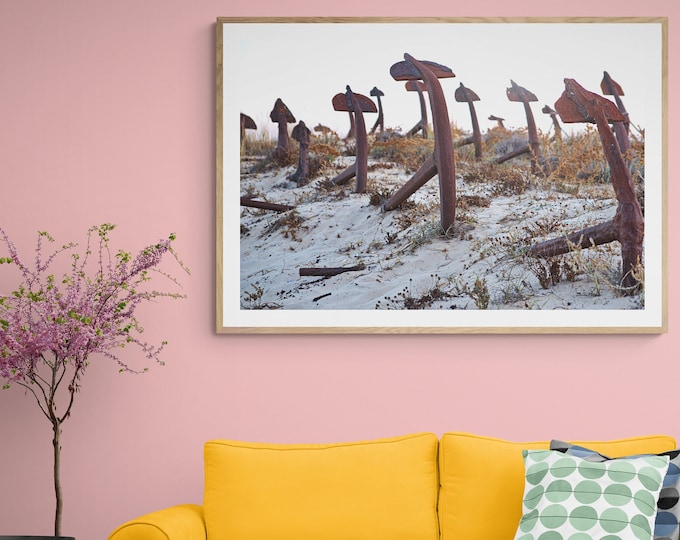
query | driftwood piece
[330, 271]
[442, 161]
[265, 205]
[579, 105]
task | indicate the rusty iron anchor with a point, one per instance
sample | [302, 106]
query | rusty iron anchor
[324, 130]
[465, 95]
[380, 122]
[579, 105]
[611, 88]
[442, 161]
[282, 116]
[325, 133]
[246, 123]
[301, 134]
[556, 123]
[421, 125]
[522, 95]
[356, 105]
[499, 121]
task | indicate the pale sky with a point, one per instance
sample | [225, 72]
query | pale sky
[306, 64]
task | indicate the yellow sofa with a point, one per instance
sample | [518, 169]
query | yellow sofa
[414, 487]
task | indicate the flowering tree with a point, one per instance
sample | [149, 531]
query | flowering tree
[49, 327]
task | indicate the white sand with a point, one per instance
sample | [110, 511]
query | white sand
[404, 263]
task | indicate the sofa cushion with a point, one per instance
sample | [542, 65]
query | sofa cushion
[668, 504]
[372, 490]
[482, 480]
[570, 497]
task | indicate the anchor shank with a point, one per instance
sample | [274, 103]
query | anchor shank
[423, 113]
[361, 144]
[476, 134]
[426, 171]
[596, 235]
[443, 146]
[534, 144]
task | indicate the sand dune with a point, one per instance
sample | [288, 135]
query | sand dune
[407, 262]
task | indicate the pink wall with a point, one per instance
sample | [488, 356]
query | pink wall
[106, 114]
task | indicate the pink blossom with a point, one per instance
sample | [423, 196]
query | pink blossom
[49, 326]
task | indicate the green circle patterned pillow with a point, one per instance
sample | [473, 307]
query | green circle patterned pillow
[569, 498]
[668, 505]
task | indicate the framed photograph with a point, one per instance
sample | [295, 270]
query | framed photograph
[441, 175]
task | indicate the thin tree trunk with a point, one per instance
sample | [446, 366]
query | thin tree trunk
[46, 399]
[57, 479]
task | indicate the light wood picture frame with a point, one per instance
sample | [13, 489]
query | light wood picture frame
[338, 262]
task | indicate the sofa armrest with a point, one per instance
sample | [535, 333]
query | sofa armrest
[182, 522]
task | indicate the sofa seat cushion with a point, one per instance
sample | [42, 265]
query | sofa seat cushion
[372, 490]
[482, 480]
